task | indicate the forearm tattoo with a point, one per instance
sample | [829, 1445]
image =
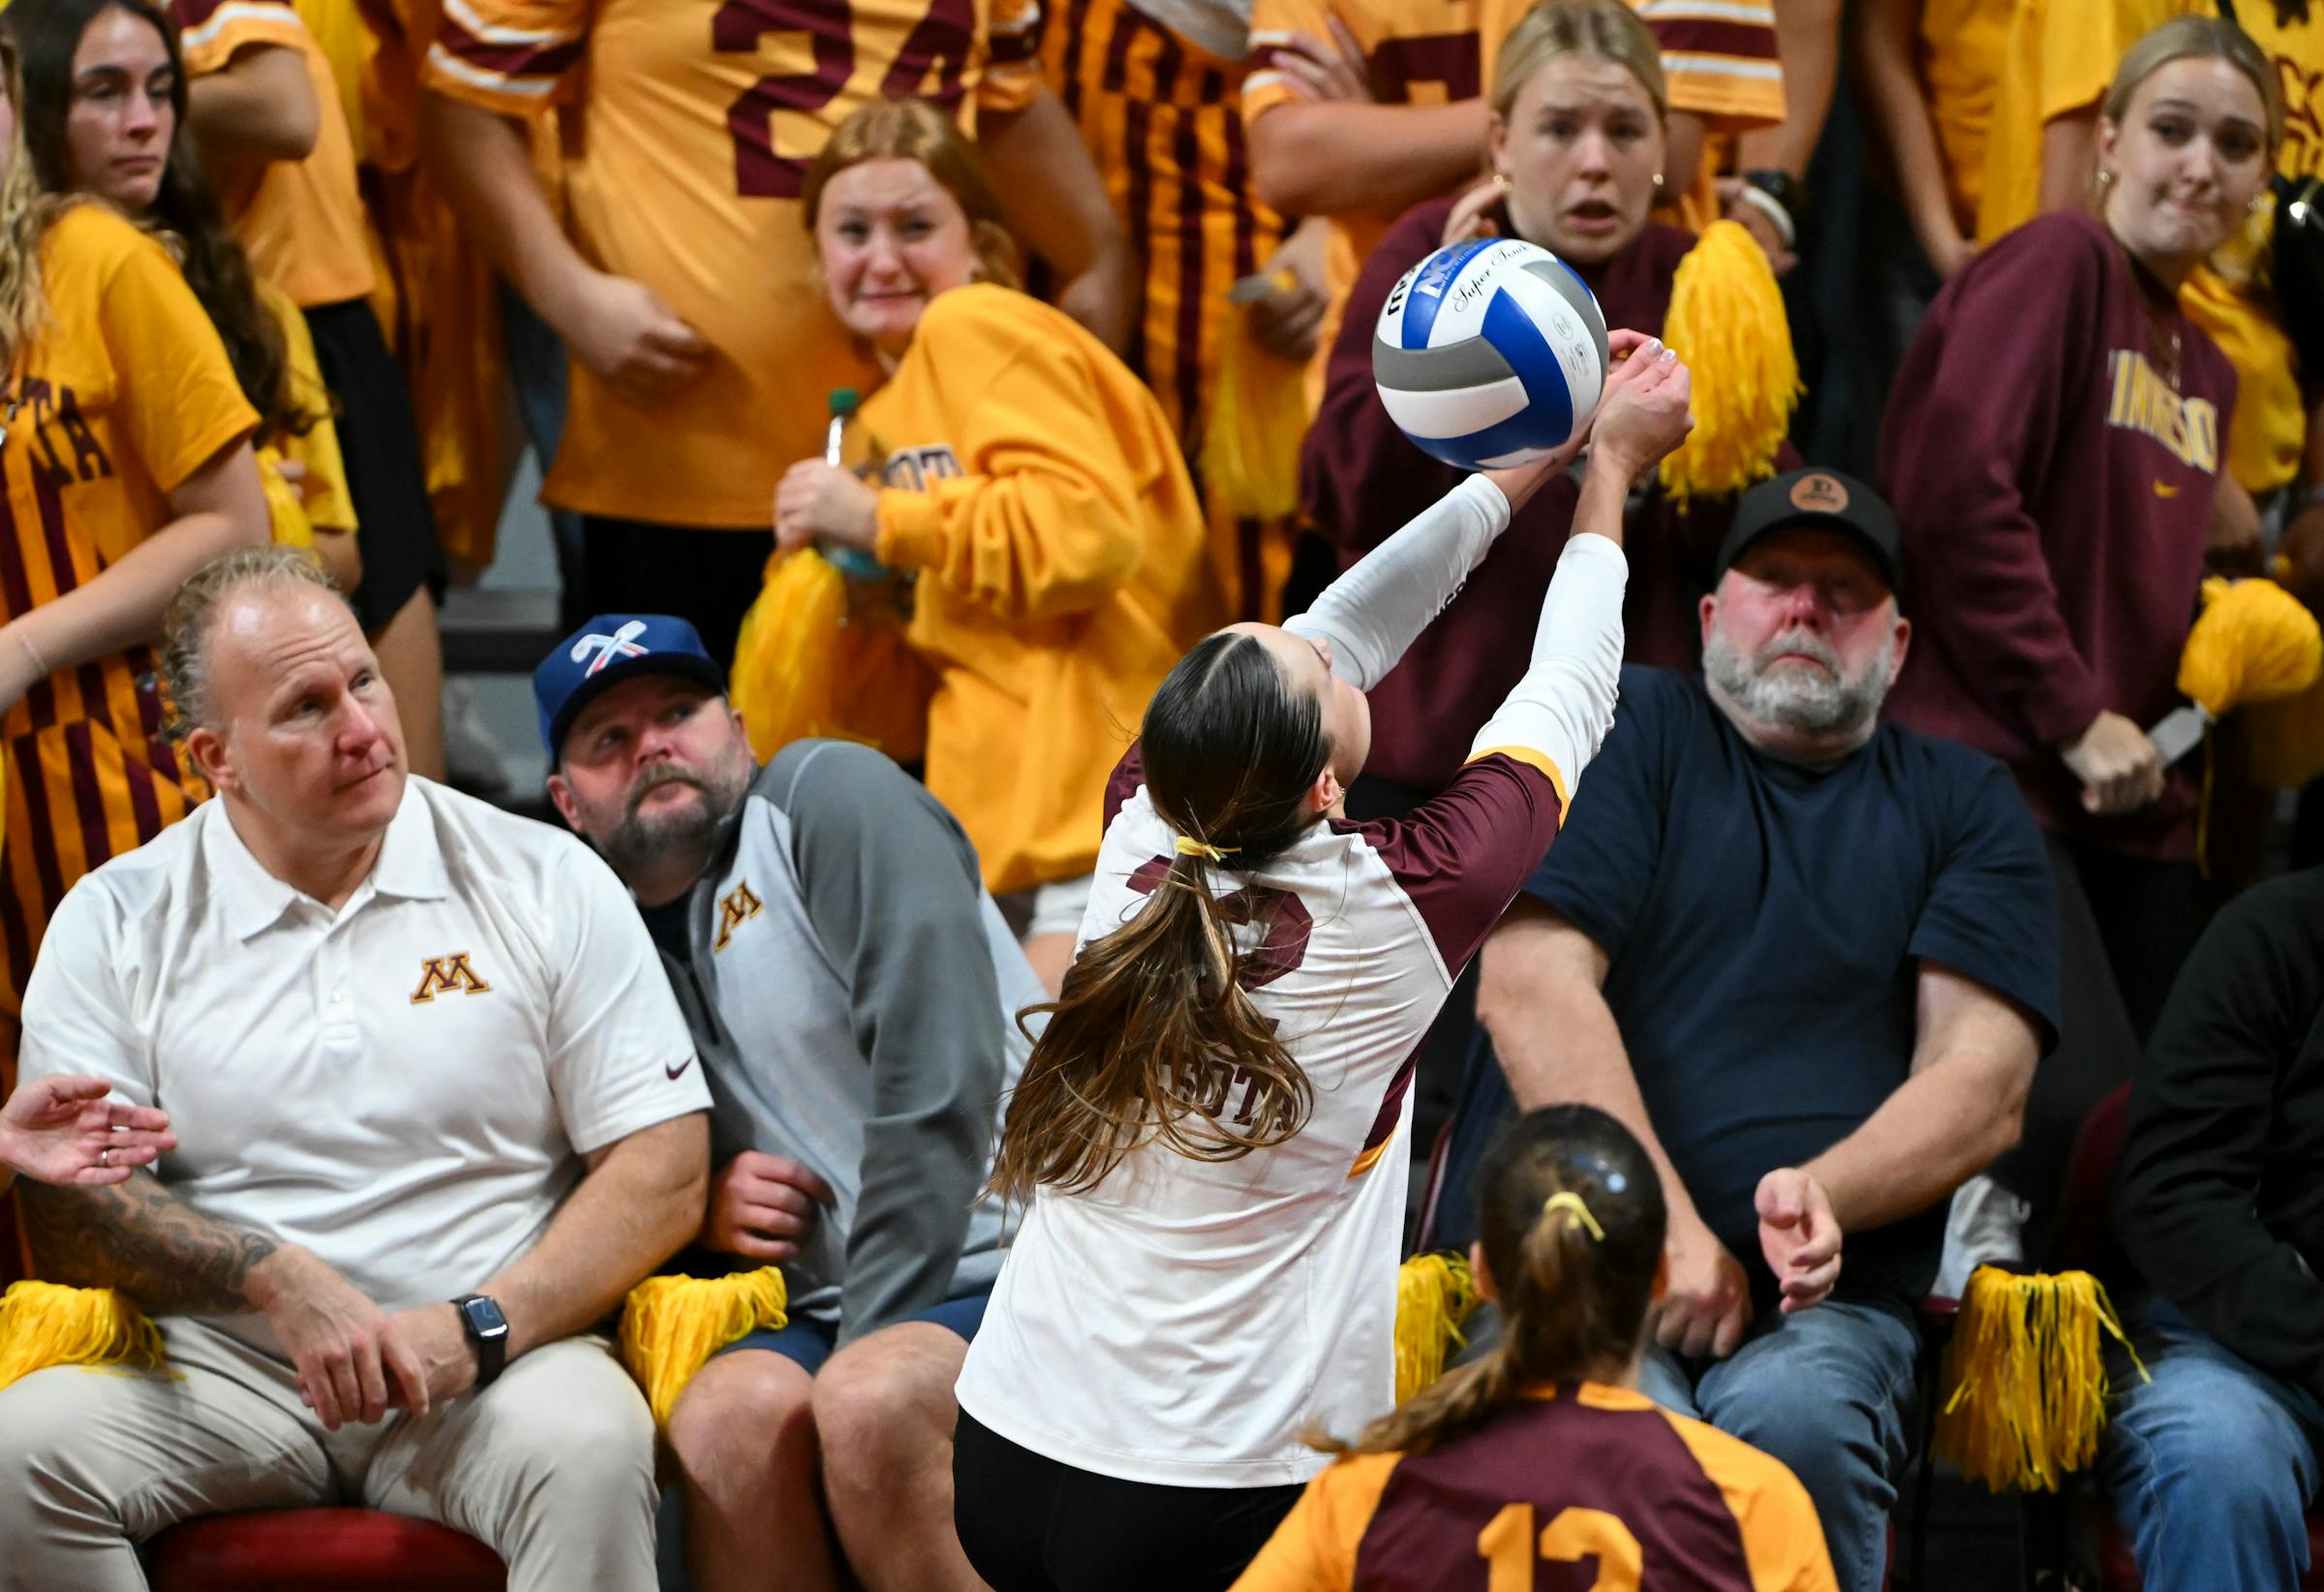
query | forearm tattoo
[141, 1239]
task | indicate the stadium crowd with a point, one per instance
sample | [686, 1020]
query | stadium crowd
[1058, 806]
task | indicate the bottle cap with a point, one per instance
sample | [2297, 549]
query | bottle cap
[843, 401]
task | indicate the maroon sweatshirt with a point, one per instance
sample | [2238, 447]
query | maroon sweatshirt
[2053, 491]
[1360, 479]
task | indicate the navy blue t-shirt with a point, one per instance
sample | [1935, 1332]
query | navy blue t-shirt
[1765, 922]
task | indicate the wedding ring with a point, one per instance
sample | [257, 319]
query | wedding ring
[105, 1159]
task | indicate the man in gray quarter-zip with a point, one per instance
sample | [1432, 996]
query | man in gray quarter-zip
[853, 994]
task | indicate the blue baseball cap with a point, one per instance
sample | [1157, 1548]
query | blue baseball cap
[608, 650]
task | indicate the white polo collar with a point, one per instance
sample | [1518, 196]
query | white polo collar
[410, 866]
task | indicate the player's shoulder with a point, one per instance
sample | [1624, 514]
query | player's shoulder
[1751, 1479]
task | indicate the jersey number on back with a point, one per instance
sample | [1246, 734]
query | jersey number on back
[940, 43]
[1279, 951]
[1507, 1548]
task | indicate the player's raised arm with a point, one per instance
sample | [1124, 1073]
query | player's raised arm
[1564, 704]
[1378, 608]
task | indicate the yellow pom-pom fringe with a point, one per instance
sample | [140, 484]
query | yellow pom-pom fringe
[2253, 643]
[672, 1326]
[820, 654]
[1726, 321]
[1250, 455]
[2027, 1367]
[1435, 1297]
[43, 1325]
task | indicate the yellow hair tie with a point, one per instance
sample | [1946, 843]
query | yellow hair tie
[1189, 846]
[1565, 1199]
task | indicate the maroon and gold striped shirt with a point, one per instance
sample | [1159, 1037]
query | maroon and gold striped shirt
[1588, 1486]
[125, 394]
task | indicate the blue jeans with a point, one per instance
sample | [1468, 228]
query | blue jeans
[2212, 1465]
[1828, 1392]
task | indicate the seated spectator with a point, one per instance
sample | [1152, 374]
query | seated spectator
[62, 1129]
[436, 1113]
[852, 993]
[1029, 482]
[104, 114]
[2219, 1201]
[1545, 1450]
[2052, 445]
[1810, 962]
[1578, 142]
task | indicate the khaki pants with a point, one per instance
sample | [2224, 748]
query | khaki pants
[552, 1466]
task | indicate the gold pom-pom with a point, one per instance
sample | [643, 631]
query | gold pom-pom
[1726, 321]
[1435, 1297]
[2027, 1367]
[44, 1325]
[672, 1326]
[2253, 643]
[820, 655]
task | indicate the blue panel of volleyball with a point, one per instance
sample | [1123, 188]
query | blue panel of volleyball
[1489, 354]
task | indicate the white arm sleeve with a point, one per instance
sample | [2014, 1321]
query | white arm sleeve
[1565, 704]
[1372, 612]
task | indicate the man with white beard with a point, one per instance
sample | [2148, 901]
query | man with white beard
[1810, 961]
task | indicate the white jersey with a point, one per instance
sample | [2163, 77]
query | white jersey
[1186, 1323]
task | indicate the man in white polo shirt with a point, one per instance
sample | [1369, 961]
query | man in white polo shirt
[436, 1111]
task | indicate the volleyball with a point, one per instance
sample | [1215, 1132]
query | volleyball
[1489, 354]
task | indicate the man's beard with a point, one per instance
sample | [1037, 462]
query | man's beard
[1796, 699]
[639, 844]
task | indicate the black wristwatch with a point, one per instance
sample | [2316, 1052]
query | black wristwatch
[488, 1330]
[1786, 190]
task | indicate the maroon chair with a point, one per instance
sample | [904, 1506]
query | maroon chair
[300, 1549]
[2084, 1239]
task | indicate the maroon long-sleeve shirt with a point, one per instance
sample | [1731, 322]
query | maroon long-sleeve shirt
[2053, 490]
[1360, 479]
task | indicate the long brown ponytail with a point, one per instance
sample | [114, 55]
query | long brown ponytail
[1571, 1217]
[1154, 1038]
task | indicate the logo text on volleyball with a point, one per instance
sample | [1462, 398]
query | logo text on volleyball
[623, 643]
[447, 975]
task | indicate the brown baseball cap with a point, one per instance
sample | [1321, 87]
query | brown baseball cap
[1821, 498]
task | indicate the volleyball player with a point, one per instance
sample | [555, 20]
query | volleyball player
[1544, 1450]
[1207, 1270]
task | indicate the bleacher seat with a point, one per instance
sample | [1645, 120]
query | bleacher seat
[2084, 1239]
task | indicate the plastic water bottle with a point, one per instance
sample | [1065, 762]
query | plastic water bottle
[851, 562]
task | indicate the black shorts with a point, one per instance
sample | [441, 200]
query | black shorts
[1031, 1524]
[395, 524]
[708, 578]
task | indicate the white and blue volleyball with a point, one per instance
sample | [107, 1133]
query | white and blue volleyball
[1489, 354]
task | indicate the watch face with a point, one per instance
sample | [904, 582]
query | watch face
[483, 1317]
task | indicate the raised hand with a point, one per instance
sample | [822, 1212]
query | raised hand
[1799, 1237]
[63, 1130]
